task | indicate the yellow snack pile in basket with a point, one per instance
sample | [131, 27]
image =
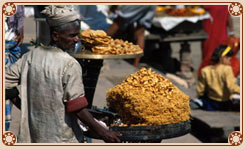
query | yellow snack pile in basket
[146, 98]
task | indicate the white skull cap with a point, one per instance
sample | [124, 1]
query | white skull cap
[60, 14]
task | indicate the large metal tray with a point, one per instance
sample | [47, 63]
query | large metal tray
[86, 54]
[152, 133]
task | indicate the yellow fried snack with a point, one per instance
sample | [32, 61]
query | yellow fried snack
[93, 33]
[147, 98]
[101, 43]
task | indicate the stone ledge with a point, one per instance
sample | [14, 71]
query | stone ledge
[214, 127]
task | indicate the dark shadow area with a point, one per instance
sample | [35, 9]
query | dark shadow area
[25, 47]
[159, 56]
[207, 134]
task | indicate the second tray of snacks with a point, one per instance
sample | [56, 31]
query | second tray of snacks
[98, 45]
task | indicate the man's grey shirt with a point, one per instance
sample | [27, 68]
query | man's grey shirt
[49, 77]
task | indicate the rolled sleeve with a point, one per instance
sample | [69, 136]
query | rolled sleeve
[74, 96]
[76, 104]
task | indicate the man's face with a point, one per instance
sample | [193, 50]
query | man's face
[68, 38]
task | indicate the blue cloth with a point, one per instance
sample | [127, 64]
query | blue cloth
[212, 105]
[8, 107]
[12, 54]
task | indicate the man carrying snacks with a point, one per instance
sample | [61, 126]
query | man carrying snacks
[52, 93]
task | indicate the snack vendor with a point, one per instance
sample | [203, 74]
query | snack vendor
[52, 93]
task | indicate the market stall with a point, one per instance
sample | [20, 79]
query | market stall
[172, 25]
[171, 22]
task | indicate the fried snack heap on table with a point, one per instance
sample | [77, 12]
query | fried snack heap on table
[147, 98]
[100, 43]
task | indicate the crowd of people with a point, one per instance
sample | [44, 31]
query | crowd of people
[46, 82]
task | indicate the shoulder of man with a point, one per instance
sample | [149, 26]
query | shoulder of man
[62, 55]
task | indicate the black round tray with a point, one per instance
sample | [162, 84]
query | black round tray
[152, 133]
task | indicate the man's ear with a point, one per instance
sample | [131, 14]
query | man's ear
[55, 36]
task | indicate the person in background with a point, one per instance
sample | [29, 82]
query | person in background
[217, 83]
[134, 19]
[234, 43]
[52, 93]
[94, 17]
[218, 28]
[14, 35]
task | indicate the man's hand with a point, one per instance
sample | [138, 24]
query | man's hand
[111, 136]
[106, 135]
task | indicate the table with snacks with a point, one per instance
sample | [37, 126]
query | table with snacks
[176, 25]
[172, 25]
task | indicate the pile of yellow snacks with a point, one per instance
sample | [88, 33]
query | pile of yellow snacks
[147, 98]
[101, 43]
